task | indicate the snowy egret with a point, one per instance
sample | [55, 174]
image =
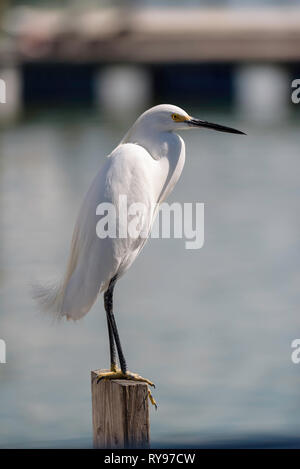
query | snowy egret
[145, 166]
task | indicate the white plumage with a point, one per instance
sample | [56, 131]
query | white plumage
[145, 167]
[146, 174]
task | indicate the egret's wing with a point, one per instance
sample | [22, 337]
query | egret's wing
[130, 172]
[94, 261]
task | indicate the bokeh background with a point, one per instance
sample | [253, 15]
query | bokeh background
[213, 327]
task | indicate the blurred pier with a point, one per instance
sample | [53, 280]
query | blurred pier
[128, 57]
[149, 35]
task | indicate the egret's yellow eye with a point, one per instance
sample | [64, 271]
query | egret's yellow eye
[178, 118]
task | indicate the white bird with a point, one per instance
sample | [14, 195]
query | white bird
[145, 167]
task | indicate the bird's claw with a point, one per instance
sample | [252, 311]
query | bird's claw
[118, 374]
[151, 399]
[137, 377]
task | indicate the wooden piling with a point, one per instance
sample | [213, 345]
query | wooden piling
[120, 413]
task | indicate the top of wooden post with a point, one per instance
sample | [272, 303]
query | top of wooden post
[120, 413]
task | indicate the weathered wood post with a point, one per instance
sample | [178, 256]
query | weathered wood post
[120, 413]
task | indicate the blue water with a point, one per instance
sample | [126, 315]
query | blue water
[212, 327]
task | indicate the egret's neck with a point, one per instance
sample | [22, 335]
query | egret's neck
[158, 144]
[166, 147]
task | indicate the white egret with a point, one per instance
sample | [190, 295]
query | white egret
[145, 167]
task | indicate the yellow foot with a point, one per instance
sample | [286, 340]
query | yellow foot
[118, 374]
[151, 399]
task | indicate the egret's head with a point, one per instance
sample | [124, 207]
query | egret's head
[169, 118]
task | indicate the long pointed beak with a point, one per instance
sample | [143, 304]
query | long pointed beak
[208, 125]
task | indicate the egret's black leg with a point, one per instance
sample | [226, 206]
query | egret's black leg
[114, 341]
[112, 346]
[112, 327]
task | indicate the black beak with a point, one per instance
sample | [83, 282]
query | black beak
[209, 125]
